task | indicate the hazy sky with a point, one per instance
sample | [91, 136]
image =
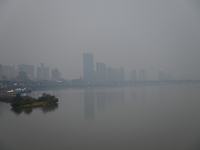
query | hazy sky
[135, 34]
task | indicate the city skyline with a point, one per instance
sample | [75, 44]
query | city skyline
[32, 71]
[91, 72]
[101, 73]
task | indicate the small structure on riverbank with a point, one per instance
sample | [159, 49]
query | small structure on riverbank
[26, 101]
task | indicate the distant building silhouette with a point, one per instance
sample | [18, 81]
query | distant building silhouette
[142, 75]
[161, 75]
[42, 72]
[22, 76]
[110, 74]
[45, 71]
[169, 76]
[121, 76]
[133, 75]
[1, 72]
[101, 72]
[116, 75]
[6, 72]
[29, 69]
[55, 74]
[88, 67]
[38, 73]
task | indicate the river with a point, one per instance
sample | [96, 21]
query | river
[164, 117]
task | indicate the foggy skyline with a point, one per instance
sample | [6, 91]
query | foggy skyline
[151, 35]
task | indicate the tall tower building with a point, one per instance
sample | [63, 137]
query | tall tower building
[88, 66]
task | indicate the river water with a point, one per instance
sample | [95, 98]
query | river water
[163, 117]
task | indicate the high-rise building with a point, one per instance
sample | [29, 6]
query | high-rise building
[133, 75]
[110, 74]
[45, 73]
[9, 72]
[101, 71]
[29, 69]
[161, 75]
[22, 76]
[42, 72]
[116, 75]
[88, 67]
[142, 75]
[6, 72]
[1, 72]
[13, 72]
[121, 76]
[38, 73]
[55, 74]
[169, 76]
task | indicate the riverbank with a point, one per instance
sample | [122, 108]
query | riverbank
[18, 101]
[26, 101]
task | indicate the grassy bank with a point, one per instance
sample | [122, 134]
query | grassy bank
[34, 104]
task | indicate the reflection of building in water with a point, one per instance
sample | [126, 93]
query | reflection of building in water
[101, 100]
[164, 92]
[89, 104]
[133, 94]
[143, 94]
[115, 98]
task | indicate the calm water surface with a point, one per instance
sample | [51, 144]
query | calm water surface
[123, 118]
